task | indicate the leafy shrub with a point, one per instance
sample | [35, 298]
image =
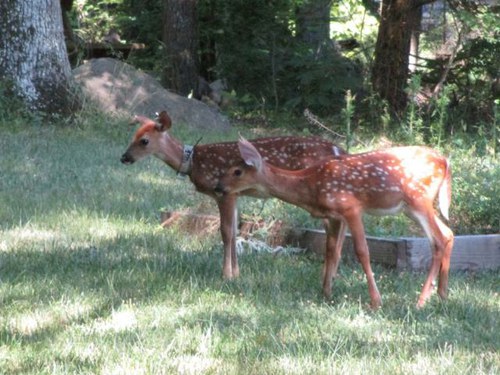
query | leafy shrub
[318, 82]
[476, 193]
[135, 22]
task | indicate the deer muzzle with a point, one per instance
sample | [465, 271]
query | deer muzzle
[219, 188]
[127, 158]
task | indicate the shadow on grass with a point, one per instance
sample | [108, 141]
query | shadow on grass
[275, 309]
[52, 171]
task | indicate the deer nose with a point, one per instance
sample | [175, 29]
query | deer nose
[219, 188]
[126, 159]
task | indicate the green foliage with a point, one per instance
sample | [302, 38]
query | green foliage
[318, 82]
[496, 127]
[427, 121]
[475, 193]
[439, 115]
[93, 19]
[251, 37]
[347, 114]
[142, 23]
[472, 79]
[255, 51]
[351, 20]
[471, 83]
[135, 21]
[260, 58]
[414, 120]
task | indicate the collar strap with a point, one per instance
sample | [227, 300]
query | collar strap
[187, 160]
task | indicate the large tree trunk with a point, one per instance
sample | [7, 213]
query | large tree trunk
[181, 44]
[390, 69]
[33, 56]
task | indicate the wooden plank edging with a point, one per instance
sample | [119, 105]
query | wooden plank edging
[470, 252]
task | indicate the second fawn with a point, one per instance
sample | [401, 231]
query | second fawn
[400, 179]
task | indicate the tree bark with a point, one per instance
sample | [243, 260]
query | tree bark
[181, 44]
[313, 21]
[33, 58]
[390, 69]
[208, 57]
[313, 27]
[69, 35]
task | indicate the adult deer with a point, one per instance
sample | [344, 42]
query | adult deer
[383, 182]
[205, 164]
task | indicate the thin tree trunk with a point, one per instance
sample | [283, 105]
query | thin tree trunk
[208, 57]
[415, 42]
[33, 57]
[313, 26]
[181, 44]
[390, 69]
[69, 35]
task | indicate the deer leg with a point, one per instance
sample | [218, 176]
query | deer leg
[448, 239]
[335, 235]
[438, 244]
[361, 248]
[234, 255]
[227, 206]
[433, 271]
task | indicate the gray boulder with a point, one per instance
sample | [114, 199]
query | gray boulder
[121, 89]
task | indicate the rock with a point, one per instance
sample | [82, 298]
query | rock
[119, 88]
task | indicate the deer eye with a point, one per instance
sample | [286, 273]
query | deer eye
[237, 172]
[144, 141]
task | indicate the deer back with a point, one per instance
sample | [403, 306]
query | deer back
[384, 180]
[210, 162]
[379, 182]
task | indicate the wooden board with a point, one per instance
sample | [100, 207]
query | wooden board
[469, 253]
[481, 252]
[382, 251]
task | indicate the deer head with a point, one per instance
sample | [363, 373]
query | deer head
[152, 138]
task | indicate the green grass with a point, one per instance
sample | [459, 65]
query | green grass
[91, 284]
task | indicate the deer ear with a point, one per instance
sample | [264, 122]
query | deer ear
[249, 153]
[164, 120]
[140, 120]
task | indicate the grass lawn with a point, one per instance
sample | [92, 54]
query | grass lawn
[91, 284]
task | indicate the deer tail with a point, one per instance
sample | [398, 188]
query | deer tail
[445, 192]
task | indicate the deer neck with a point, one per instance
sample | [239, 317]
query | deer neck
[294, 187]
[175, 154]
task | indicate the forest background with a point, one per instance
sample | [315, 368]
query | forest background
[434, 59]
[423, 72]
